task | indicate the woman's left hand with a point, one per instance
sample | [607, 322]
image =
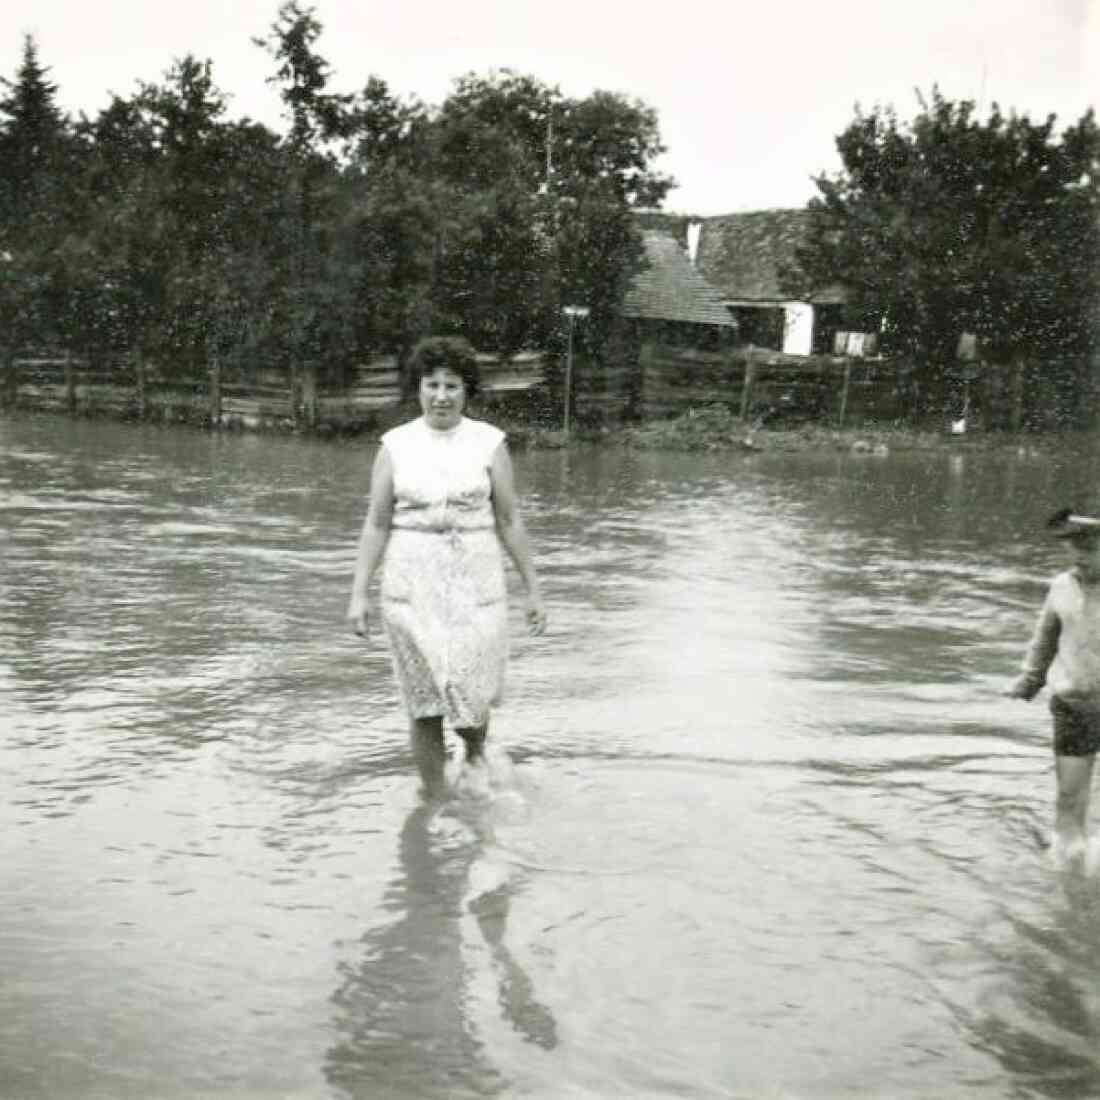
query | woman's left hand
[535, 614]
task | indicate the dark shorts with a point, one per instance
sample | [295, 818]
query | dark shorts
[1076, 732]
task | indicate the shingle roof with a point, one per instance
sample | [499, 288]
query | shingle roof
[743, 255]
[670, 288]
[660, 221]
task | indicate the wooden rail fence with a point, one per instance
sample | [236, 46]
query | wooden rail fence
[760, 384]
[64, 382]
[653, 382]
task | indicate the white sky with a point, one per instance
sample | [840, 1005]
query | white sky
[750, 96]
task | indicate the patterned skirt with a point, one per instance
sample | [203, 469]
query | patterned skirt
[446, 617]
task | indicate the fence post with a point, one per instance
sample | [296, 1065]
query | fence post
[1017, 414]
[70, 382]
[844, 393]
[746, 386]
[308, 396]
[215, 395]
[646, 356]
[139, 382]
[9, 380]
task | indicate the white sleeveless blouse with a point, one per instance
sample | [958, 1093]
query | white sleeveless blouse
[443, 591]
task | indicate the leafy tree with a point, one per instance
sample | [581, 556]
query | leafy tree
[603, 174]
[177, 203]
[532, 194]
[316, 115]
[399, 206]
[186, 116]
[315, 293]
[384, 129]
[611, 140]
[951, 224]
[243, 260]
[160, 230]
[488, 163]
[128, 252]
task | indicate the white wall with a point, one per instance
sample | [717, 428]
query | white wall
[798, 328]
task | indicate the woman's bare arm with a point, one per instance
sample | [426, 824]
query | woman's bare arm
[372, 539]
[513, 534]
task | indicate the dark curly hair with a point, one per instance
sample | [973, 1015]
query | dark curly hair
[449, 352]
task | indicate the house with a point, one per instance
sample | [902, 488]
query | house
[745, 257]
[672, 299]
[671, 321]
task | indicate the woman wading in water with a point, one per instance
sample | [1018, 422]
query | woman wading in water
[442, 508]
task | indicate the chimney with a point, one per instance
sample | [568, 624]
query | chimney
[693, 232]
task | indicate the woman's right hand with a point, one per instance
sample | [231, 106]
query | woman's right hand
[535, 614]
[358, 617]
[1023, 688]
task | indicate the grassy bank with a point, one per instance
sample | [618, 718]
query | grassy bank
[719, 430]
[712, 429]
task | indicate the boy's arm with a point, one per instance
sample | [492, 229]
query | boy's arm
[1040, 653]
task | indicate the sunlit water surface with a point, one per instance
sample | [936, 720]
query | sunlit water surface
[769, 827]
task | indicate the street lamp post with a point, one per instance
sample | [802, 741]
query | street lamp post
[573, 313]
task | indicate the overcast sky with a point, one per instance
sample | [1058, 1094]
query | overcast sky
[750, 96]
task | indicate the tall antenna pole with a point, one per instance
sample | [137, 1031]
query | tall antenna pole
[549, 146]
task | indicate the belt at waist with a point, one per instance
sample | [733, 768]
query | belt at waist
[448, 530]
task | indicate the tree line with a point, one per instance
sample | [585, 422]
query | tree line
[951, 223]
[162, 231]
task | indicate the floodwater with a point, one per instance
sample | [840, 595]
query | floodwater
[769, 828]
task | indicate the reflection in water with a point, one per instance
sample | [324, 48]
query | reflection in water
[404, 1006]
[516, 993]
[1040, 1017]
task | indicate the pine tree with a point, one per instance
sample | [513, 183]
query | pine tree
[33, 212]
[32, 138]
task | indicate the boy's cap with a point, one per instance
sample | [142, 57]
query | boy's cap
[1067, 524]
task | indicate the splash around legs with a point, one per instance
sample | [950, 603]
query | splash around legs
[473, 780]
[1073, 775]
[430, 754]
[485, 773]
